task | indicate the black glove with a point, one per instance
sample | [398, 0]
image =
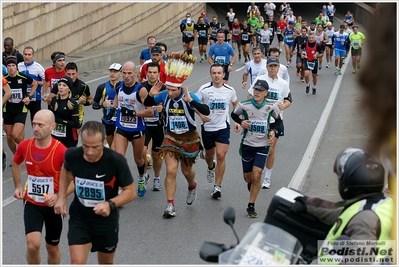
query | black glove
[299, 204]
[111, 113]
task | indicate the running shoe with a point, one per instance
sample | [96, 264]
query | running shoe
[206, 56]
[210, 174]
[169, 211]
[251, 212]
[146, 177]
[157, 185]
[354, 71]
[202, 60]
[4, 133]
[358, 65]
[149, 160]
[141, 188]
[336, 72]
[327, 66]
[307, 88]
[4, 160]
[245, 61]
[313, 91]
[266, 183]
[191, 196]
[339, 72]
[302, 80]
[216, 194]
[288, 64]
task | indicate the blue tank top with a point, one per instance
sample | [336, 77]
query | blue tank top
[125, 119]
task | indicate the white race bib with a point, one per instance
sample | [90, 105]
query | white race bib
[178, 124]
[38, 186]
[128, 120]
[217, 105]
[258, 128]
[311, 65]
[60, 130]
[189, 33]
[16, 95]
[221, 60]
[89, 192]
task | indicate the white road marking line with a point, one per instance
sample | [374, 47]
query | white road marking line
[8, 201]
[296, 181]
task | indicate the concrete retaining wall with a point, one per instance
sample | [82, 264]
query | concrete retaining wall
[78, 27]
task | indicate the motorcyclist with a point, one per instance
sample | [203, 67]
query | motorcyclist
[364, 213]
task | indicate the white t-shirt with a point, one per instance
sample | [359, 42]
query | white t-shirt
[218, 100]
[253, 69]
[269, 8]
[231, 16]
[265, 36]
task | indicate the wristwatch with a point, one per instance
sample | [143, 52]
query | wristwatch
[231, 64]
[29, 96]
[111, 204]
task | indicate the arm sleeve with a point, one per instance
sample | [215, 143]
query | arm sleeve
[74, 122]
[202, 108]
[98, 96]
[236, 117]
[363, 226]
[149, 101]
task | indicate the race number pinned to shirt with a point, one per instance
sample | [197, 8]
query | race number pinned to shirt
[356, 44]
[221, 60]
[178, 124]
[311, 65]
[16, 96]
[60, 130]
[38, 186]
[89, 192]
[217, 105]
[189, 33]
[128, 118]
[258, 128]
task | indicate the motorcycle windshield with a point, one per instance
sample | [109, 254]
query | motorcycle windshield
[264, 244]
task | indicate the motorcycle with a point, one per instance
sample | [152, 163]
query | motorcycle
[284, 238]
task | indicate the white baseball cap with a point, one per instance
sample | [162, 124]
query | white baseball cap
[115, 66]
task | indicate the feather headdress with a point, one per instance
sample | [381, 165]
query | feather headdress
[178, 67]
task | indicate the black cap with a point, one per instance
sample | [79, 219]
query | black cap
[261, 85]
[273, 61]
[342, 26]
[67, 80]
[222, 24]
[156, 50]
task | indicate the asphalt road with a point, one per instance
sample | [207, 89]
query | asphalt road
[311, 142]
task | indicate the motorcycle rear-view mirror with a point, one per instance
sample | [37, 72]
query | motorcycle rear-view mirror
[210, 251]
[229, 217]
